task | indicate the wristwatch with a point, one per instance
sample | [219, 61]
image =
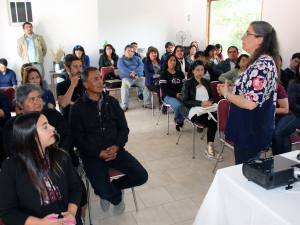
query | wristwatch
[225, 96]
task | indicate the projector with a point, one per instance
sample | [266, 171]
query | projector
[272, 172]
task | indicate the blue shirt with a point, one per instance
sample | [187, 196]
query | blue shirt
[125, 67]
[253, 129]
[31, 49]
[87, 62]
[47, 97]
[8, 79]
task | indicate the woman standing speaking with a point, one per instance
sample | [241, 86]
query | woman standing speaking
[251, 117]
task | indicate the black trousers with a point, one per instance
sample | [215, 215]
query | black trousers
[97, 171]
[156, 89]
[211, 125]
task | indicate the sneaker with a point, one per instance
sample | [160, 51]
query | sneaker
[125, 109]
[104, 205]
[140, 97]
[212, 154]
[176, 125]
[120, 208]
[164, 110]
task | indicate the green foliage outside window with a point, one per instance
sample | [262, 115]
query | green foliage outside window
[229, 20]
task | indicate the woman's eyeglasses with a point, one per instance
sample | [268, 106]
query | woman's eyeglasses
[247, 34]
[77, 47]
[30, 67]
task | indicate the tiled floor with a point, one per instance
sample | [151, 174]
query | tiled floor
[177, 183]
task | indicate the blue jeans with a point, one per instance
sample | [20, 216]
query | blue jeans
[97, 171]
[242, 155]
[284, 126]
[176, 104]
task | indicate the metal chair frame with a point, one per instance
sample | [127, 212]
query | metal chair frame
[161, 107]
[152, 101]
[121, 174]
[193, 125]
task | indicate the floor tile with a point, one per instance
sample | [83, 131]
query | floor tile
[142, 156]
[155, 196]
[125, 219]
[182, 210]
[182, 173]
[159, 179]
[203, 183]
[156, 215]
[198, 199]
[159, 164]
[187, 222]
[182, 190]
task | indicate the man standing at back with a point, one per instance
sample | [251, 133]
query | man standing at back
[32, 48]
[131, 72]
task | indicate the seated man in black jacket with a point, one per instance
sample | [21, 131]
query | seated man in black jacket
[99, 130]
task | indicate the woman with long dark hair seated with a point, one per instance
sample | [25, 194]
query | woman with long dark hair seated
[109, 58]
[153, 67]
[219, 49]
[80, 53]
[184, 64]
[210, 74]
[197, 92]
[171, 81]
[39, 185]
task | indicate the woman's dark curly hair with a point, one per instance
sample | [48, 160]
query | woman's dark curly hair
[177, 67]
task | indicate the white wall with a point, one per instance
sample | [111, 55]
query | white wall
[65, 22]
[283, 15]
[149, 23]
[196, 27]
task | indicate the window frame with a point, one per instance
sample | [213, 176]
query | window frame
[18, 24]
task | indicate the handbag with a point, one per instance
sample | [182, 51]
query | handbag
[111, 80]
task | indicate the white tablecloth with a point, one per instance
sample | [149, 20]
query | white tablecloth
[234, 200]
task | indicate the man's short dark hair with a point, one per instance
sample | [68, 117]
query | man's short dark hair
[3, 62]
[296, 55]
[69, 59]
[168, 44]
[233, 47]
[128, 46]
[25, 24]
[133, 43]
[198, 54]
[85, 73]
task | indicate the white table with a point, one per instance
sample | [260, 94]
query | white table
[234, 200]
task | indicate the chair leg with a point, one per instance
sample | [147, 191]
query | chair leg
[168, 120]
[204, 132]
[181, 132]
[161, 107]
[88, 198]
[193, 141]
[152, 103]
[219, 158]
[136, 206]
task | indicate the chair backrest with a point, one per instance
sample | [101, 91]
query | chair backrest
[216, 94]
[10, 94]
[223, 110]
[105, 70]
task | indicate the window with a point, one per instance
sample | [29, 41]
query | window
[228, 20]
[19, 12]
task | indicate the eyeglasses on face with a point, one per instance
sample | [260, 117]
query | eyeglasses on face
[247, 34]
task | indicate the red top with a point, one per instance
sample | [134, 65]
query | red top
[281, 94]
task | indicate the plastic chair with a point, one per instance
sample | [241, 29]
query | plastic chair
[10, 94]
[161, 107]
[194, 125]
[115, 174]
[104, 71]
[214, 86]
[223, 110]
